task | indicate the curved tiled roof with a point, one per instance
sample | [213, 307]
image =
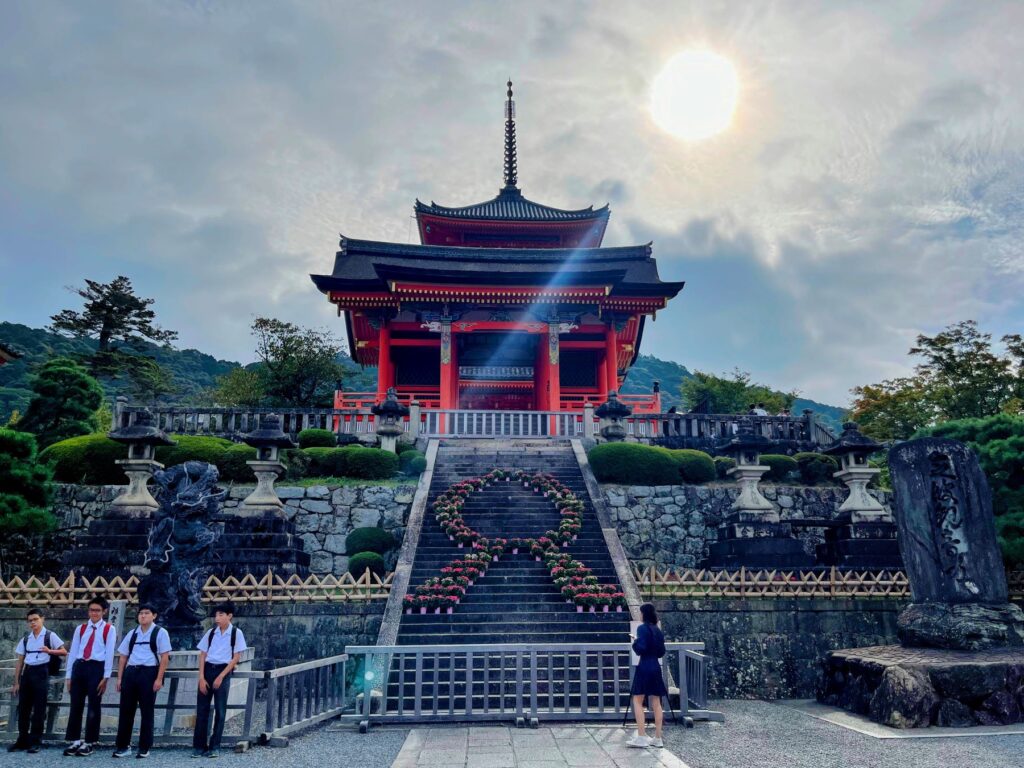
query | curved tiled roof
[510, 205]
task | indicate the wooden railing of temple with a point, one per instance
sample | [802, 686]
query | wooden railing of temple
[233, 422]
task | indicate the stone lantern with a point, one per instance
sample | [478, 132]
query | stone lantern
[611, 413]
[390, 415]
[746, 449]
[268, 440]
[142, 438]
[852, 450]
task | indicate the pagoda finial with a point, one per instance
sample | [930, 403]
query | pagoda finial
[511, 177]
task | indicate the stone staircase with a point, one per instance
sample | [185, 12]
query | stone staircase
[515, 601]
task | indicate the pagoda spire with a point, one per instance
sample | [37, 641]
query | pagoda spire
[511, 176]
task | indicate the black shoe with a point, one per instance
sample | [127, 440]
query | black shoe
[35, 749]
[16, 747]
[126, 752]
[212, 753]
[198, 753]
[141, 755]
[84, 751]
[72, 749]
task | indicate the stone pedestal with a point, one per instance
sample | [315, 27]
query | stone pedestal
[868, 545]
[860, 506]
[388, 434]
[751, 501]
[263, 500]
[137, 501]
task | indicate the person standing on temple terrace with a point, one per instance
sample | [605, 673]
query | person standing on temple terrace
[144, 653]
[649, 645]
[220, 650]
[90, 661]
[38, 656]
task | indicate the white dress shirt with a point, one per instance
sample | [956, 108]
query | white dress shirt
[218, 645]
[101, 651]
[34, 656]
[142, 654]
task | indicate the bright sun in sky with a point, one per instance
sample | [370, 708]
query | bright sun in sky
[694, 95]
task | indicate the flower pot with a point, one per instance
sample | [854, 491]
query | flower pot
[565, 545]
[579, 609]
[423, 609]
[437, 610]
[605, 609]
[495, 558]
[507, 479]
[618, 609]
[449, 609]
[574, 537]
[538, 558]
[593, 609]
[408, 611]
[461, 545]
[515, 550]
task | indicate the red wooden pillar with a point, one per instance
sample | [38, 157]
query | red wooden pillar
[449, 389]
[541, 375]
[385, 369]
[611, 356]
[554, 384]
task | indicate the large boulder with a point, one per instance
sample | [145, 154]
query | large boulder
[904, 699]
[965, 626]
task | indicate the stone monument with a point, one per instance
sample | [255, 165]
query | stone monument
[142, 438]
[268, 440]
[390, 414]
[611, 413]
[948, 541]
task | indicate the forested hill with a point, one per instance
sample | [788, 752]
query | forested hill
[195, 373]
[649, 369]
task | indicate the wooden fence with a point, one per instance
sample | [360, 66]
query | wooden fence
[75, 590]
[654, 582]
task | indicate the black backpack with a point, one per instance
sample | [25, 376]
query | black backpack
[152, 642]
[209, 638]
[53, 665]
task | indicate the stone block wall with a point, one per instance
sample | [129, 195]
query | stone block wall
[772, 648]
[324, 516]
[673, 525]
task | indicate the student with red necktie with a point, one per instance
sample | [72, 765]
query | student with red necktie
[89, 664]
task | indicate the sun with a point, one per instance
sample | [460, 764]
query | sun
[694, 96]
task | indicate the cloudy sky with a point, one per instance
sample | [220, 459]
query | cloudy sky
[870, 187]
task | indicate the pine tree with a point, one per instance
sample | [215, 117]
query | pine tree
[65, 399]
[25, 489]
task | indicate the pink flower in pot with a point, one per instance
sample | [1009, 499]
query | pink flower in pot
[423, 609]
[604, 609]
[449, 609]
[579, 609]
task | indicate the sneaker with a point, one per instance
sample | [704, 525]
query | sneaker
[141, 755]
[126, 752]
[212, 753]
[35, 749]
[72, 748]
[640, 742]
[84, 751]
[656, 742]
[198, 753]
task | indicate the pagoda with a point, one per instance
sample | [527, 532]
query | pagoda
[507, 304]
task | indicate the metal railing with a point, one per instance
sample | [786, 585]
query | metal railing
[520, 682]
[295, 697]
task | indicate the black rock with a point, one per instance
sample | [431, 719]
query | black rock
[946, 528]
[1003, 706]
[904, 699]
[955, 714]
[964, 626]
[968, 682]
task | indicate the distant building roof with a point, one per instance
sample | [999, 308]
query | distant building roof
[7, 354]
[510, 205]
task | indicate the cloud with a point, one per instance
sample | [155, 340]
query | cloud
[870, 188]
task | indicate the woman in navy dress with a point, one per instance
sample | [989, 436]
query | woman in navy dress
[649, 645]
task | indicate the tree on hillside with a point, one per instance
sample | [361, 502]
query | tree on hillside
[962, 376]
[64, 402]
[241, 386]
[300, 365]
[24, 485]
[732, 393]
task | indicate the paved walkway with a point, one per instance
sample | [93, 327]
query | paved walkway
[555, 747]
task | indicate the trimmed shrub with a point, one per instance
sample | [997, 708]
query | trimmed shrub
[86, 459]
[722, 466]
[347, 439]
[232, 464]
[192, 448]
[297, 464]
[372, 463]
[695, 466]
[816, 468]
[634, 464]
[369, 540]
[779, 467]
[405, 448]
[406, 458]
[358, 563]
[417, 465]
[317, 438]
[327, 462]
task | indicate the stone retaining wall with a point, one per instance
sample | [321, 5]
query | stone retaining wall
[673, 525]
[773, 648]
[323, 516]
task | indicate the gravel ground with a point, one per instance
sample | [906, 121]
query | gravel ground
[317, 748]
[760, 734]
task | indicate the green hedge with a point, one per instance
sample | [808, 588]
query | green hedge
[232, 464]
[406, 459]
[816, 468]
[327, 462]
[405, 448]
[722, 466]
[369, 540]
[192, 448]
[87, 459]
[779, 467]
[372, 463]
[634, 464]
[317, 438]
[695, 466]
[358, 563]
[417, 466]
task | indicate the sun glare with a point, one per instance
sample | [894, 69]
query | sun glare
[694, 95]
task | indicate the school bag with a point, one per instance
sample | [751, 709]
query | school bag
[209, 638]
[152, 641]
[53, 664]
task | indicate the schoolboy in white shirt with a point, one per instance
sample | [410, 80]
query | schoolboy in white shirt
[220, 650]
[145, 652]
[90, 662]
[38, 655]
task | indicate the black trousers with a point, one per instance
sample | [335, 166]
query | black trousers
[35, 682]
[85, 678]
[136, 693]
[202, 738]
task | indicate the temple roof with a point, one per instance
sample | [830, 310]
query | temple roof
[367, 265]
[510, 205]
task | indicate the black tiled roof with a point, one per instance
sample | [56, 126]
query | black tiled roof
[510, 205]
